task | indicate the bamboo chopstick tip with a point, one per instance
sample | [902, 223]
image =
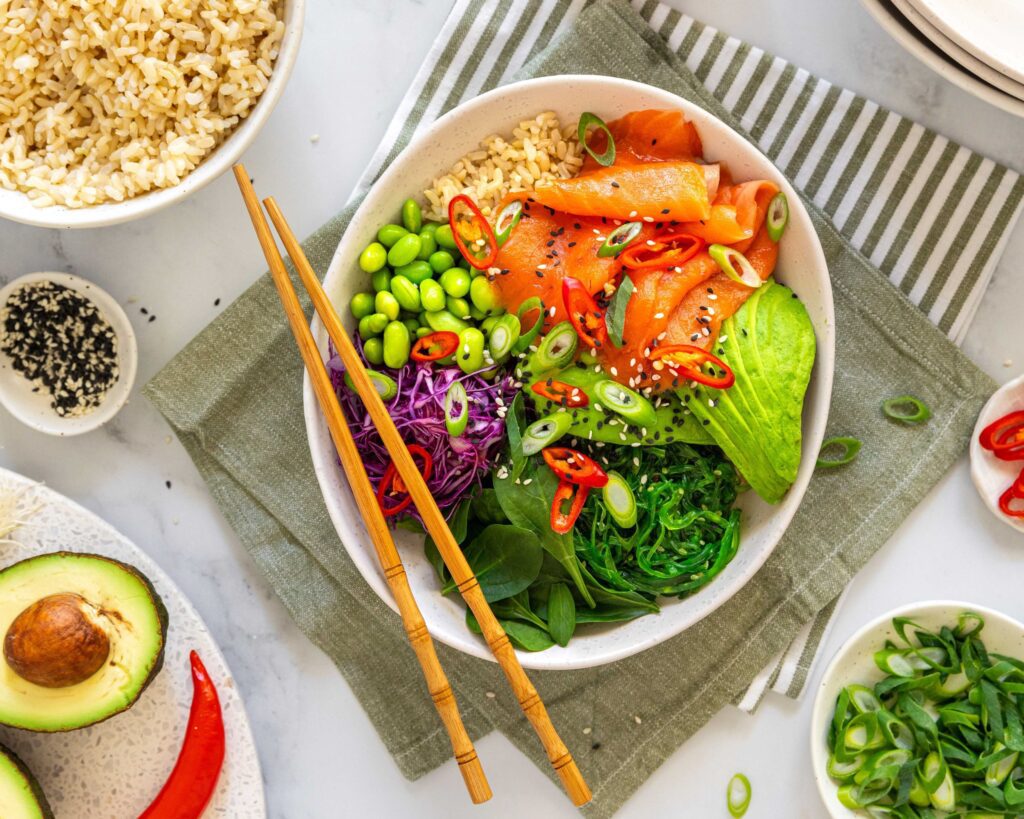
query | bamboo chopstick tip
[574, 784]
[476, 781]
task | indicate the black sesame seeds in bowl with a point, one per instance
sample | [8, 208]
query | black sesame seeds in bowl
[67, 353]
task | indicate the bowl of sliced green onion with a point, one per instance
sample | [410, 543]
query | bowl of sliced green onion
[919, 714]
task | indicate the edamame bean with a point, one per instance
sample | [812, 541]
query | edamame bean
[457, 307]
[373, 257]
[361, 305]
[406, 293]
[423, 331]
[373, 350]
[387, 304]
[381, 280]
[464, 263]
[441, 261]
[412, 325]
[443, 237]
[427, 246]
[483, 295]
[476, 314]
[412, 216]
[415, 271]
[429, 228]
[404, 250]
[470, 355]
[431, 295]
[443, 320]
[488, 324]
[389, 234]
[372, 325]
[455, 282]
[396, 344]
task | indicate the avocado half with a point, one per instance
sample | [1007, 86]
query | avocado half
[20, 794]
[83, 635]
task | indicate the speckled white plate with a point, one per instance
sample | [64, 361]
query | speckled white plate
[992, 476]
[855, 663]
[114, 769]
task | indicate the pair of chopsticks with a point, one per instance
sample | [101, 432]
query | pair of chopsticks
[366, 500]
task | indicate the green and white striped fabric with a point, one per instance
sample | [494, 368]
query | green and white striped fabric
[932, 215]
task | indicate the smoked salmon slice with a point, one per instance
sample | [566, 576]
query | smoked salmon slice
[647, 136]
[737, 213]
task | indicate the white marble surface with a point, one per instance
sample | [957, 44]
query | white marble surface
[320, 755]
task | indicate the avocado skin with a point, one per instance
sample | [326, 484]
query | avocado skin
[158, 603]
[33, 783]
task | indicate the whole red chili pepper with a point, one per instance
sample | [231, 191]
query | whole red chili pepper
[191, 784]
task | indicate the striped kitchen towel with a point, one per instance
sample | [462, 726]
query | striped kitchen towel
[931, 214]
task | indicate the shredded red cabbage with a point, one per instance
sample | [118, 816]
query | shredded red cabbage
[460, 463]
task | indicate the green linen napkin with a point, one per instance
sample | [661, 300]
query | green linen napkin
[249, 443]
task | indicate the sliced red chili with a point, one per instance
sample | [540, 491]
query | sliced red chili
[392, 487]
[668, 249]
[435, 346]
[472, 232]
[1014, 493]
[586, 317]
[574, 467]
[571, 496]
[561, 393]
[1004, 438]
[688, 361]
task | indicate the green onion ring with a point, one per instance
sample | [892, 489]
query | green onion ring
[777, 217]
[526, 337]
[508, 218]
[737, 795]
[383, 383]
[586, 120]
[619, 239]
[896, 409]
[851, 448]
[456, 409]
[503, 337]
[545, 431]
[728, 259]
[557, 348]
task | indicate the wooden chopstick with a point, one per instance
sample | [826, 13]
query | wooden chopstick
[529, 700]
[366, 500]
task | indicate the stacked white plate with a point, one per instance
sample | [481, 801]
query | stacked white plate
[974, 44]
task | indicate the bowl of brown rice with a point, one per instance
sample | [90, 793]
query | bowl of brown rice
[114, 111]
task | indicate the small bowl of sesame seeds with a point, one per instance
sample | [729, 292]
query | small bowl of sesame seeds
[68, 354]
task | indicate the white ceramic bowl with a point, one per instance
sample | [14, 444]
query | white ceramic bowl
[992, 476]
[16, 206]
[854, 663]
[801, 265]
[33, 408]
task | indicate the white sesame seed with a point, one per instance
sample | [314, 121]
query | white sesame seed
[659, 315]
[648, 218]
[586, 730]
[490, 695]
[632, 213]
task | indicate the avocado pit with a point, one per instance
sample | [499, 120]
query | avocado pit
[56, 642]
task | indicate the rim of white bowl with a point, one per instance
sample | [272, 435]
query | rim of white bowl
[16, 206]
[986, 470]
[365, 559]
[33, 409]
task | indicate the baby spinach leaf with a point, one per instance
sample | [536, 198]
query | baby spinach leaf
[515, 420]
[434, 558]
[523, 635]
[518, 607]
[505, 560]
[486, 509]
[561, 614]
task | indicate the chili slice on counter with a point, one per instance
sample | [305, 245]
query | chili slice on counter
[472, 232]
[668, 249]
[1004, 437]
[574, 467]
[393, 487]
[435, 346]
[561, 393]
[688, 361]
[562, 519]
[586, 316]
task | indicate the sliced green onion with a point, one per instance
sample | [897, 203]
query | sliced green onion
[620, 238]
[938, 781]
[503, 337]
[892, 661]
[952, 686]
[508, 218]
[922, 659]
[862, 733]
[557, 348]
[998, 771]
[629, 404]
[545, 432]
[777, 217]
[729, 259]
[526, 336]
[619, 500]
[843, 770]
[968, 624]
[1014, 795]
[383, 383]
[906, 409]
[737, 795]
[863, 698]
[456, 409]
[850, 447]
[586, 120]
[897, 733]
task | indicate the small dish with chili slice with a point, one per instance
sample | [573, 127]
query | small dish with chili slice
[997, 465]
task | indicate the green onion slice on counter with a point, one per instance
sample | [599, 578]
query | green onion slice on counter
[906, 409]
[848, 449]
[629, 404]
[456, 409]
[620, 238]
[383, 383]
[508, 218]
[735, 265]
[545, 431]
[619, 500]
[777, 217]
[527, 335]
[558, 348]
[503, 337]
[586, 120]
[737, 795]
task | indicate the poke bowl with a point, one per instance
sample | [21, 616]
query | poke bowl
[606, 513]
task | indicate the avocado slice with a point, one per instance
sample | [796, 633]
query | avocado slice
[83, 635]
[20, 794]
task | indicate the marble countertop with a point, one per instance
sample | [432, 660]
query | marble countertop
[177, 265]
